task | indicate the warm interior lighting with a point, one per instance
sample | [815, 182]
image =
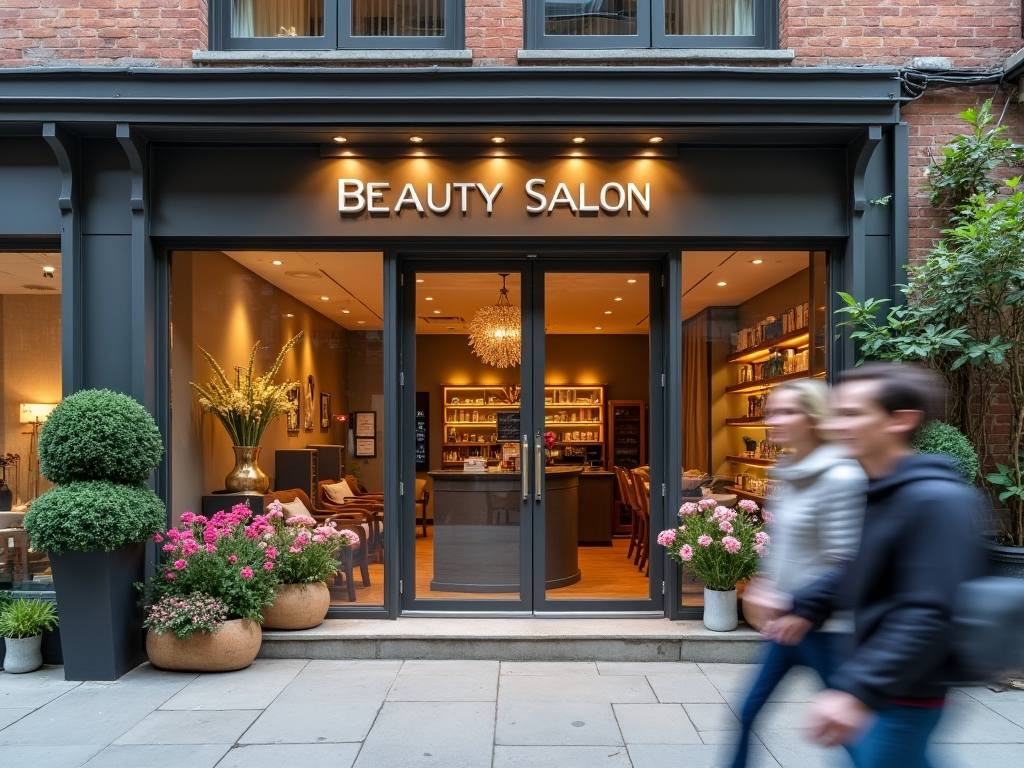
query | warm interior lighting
[437, 311]
[277, 262]
[757, 261]
[289, 314]
[655, 140]
[48, 270]
[340, 139]
[416, 139]
[498, 139]
[578, 140]
[428, 298]
[325, 298]
[345, 312]
[721, 283]
[360, 322]
[495, 333]
[34, 413]
[607, 311]
[597, 327]
[631, 280]
[419, 279]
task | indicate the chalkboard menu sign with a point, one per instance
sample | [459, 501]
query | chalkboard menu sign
[508, 426]
[422, 433]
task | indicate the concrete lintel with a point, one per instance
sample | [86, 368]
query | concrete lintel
[1014, 69]
[657, 55]
[333, 58]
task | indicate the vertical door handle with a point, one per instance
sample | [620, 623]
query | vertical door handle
[539, 464]
[524, 452]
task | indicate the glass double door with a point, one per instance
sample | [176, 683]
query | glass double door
[532, 426]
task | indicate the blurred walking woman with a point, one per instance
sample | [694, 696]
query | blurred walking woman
[818, 512]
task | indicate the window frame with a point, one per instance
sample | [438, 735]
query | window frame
[765, 37]
[337, 33]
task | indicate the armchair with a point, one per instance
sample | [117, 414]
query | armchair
[367, 513]
[353, 484]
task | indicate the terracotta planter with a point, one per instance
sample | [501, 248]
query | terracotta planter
[233, 647]
[298, 606]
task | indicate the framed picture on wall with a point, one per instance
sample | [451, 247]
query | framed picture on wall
[325, 410]
[366, 448]
[307, 418]
[365, 423]
[292, 414]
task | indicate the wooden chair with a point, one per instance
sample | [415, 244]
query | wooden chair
[420, 500]
[353, 485]
[622, 481]
[641, 482]
[634, 504]
[361, 511]
[349, 557]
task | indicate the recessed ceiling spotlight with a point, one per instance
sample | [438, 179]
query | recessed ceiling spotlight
[498, 139]
[419, 279]
[655, 140]
[360, 322]
[597, 327]
[416, 139]
[757, 261]
[428, 298]
[340, 139]
[289, 315]
[607, 311]
[618, 298]
[721, 283]
[437, 311]
[345, 312]
[325, 298]
[578, 140]
[631, 280]
[277, 262]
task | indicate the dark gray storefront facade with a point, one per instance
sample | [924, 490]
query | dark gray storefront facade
[117, 168]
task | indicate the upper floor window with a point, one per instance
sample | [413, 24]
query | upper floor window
[651, 23]
[330, 24]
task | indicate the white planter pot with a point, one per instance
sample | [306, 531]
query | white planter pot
[24, 654]
[720, 610]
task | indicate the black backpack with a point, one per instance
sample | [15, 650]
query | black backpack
[988, 634]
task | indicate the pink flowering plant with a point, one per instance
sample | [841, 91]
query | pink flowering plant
[303, 551]
[719, 545]
[186, 615]
[224, 558]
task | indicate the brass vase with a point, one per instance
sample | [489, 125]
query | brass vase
[247, 477]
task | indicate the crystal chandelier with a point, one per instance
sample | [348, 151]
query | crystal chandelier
[496, 331]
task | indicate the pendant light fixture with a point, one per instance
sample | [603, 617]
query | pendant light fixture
[495, 333]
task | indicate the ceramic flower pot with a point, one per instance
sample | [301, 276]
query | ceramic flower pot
[720, 610]
[24, 654]
[246, 476]
[233, 647]
[298, 606]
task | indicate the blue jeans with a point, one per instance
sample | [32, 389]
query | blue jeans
[898, 738]
[817, 650]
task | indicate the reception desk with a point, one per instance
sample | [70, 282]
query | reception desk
[477, 529]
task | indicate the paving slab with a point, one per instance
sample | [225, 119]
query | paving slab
[648, 668]
[986, 695]
[8, 716]
[655, 724]
[608, 689]
[725, 737]
[561, 757]
[731, 677]
[303, 722]
[561, 724]
[446, 681]
[449, 667]
[49, 756]
[443, 735]
[712, 717]
[35, 689]
[549, 667]
[782, 716]
[1011, 710]
[970, 723]
[793, 750]
[190, 727]
[135, 755]
[252, 688]
[685, 689]
[695, 756]
[970, 755]
[286, 756]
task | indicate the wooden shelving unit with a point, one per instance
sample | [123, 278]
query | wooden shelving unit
[756, 386]
[792, 340]
[750, 462]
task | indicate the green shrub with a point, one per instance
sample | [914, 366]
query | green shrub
[940, 438]
[94, 515]
[27, 618]
[97, 434]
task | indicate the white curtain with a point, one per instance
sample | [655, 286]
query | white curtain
[709, 17]
[274, 18]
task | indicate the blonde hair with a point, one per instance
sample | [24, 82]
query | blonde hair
[812, 395]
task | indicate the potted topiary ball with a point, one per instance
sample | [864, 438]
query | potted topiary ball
[100, 448]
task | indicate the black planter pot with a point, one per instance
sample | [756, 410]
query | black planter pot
[1009, 562]
[100, 618]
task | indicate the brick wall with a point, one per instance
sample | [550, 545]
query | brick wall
[494, 31]
[92, 33]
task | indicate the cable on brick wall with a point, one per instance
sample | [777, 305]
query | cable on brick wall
[914, 82]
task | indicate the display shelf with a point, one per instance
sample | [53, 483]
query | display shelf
[627, 444]
[792, 340]
[756, 386]
[747, 421]
[746, 494]
[750, 462]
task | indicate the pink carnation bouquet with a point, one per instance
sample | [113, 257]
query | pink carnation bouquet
[720, 546]
[303, 551]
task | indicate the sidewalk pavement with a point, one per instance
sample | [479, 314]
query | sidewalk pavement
[449, 714]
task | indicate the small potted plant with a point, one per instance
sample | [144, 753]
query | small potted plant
[22, 623]
[721, 547]
[223, 559]
[303, 555]
[100, 448]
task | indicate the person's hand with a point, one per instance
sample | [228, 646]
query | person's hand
[762, 603]
[837, 718]
[787, 630]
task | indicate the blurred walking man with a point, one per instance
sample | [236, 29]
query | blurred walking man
[918, 544]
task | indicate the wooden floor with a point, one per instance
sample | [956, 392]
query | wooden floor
[606, 574]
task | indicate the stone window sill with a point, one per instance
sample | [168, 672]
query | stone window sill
[657, 55]
[329, 58]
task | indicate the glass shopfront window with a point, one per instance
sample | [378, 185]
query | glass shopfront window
[751, 320]
[30, 380]
[327, 452]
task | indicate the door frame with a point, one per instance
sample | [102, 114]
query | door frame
[533, 269]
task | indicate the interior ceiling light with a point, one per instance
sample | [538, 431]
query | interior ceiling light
[496, 331]
[48, 270]
[578, 140]
[498, 139]
[428, 298]
[340, 139]
[325, 298]
[597, 327]
[618, 298]
[655, 140]
[631, 280]
[344, 311]
[289, 315]
[607, 311]
[437, 311]
[360, 322]
[419, 279]
[757, 261]
[277, 262]
[721, 283]
[416, 139]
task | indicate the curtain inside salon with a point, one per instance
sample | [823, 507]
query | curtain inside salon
[276, 18]
[709, 17]
[695, 393]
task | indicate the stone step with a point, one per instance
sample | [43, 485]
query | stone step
[515, 639]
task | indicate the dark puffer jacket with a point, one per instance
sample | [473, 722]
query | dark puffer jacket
[919, 543]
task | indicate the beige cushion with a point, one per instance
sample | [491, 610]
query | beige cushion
[338, 492]
[295, 509]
